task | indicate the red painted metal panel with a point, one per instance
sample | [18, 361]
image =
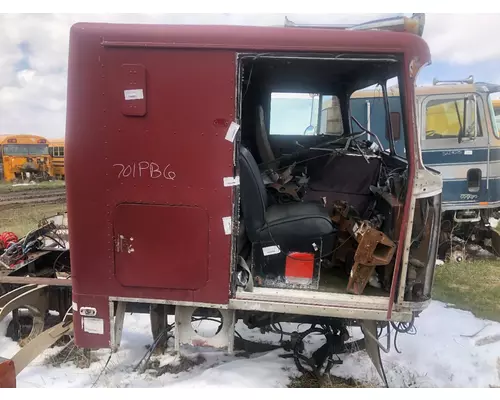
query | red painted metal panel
[7, 374]
[143, 258]
[175, 155]
[86, 335]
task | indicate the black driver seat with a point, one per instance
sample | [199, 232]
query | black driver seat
[292, 227]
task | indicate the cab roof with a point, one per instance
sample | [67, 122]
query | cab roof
[252, 38]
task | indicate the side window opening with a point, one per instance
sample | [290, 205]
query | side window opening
[368, 106]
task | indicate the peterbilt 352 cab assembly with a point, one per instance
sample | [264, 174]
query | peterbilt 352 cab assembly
[205, 197]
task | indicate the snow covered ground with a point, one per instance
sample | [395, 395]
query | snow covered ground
[441, 354]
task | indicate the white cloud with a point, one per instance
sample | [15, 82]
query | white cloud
[33, 99]
[462, 38]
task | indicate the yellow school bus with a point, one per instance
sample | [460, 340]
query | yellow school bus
[56, 151]
[24, 158]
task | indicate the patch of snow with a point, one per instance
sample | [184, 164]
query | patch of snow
[447, 351]
[438, 355]
[439, 262]
[493, 222]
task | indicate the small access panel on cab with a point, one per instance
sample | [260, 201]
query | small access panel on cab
[161, 246]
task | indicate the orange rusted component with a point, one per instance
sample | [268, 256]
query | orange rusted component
[374, 249]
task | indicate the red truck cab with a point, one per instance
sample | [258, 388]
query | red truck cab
[189, 186]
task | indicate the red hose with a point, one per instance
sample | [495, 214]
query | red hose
[7, 238]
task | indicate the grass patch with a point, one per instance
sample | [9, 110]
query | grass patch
[472, 286]
[6, 187]
[21, 219]
[307, 381]
[81, 358]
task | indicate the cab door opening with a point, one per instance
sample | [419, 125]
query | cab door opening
[321, 201]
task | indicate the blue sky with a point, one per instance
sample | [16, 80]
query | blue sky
[34, 52]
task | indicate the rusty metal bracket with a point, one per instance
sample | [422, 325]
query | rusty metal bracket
[374, 249]
[33, 297]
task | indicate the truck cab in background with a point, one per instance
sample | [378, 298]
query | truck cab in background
[460, 138]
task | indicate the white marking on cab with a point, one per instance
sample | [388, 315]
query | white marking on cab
[227, 223]
[231, 181]
[133, 94]
[93, 325]
[232, 131]
[145, 169]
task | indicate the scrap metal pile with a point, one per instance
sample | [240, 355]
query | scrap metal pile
[31, 270]
[51, 234]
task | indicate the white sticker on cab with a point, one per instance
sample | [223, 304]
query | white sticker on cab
[232, 131]
[133, 94]
[226, 221]
[231, 181]
[93, 325]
